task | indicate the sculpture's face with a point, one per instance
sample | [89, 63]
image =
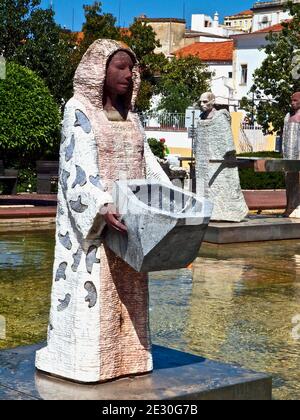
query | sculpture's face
[119, 74]
[296, 101]
[206, 103]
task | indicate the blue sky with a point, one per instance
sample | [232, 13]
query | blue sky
[152, 8]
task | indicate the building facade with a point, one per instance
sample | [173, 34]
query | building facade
[241, 21]
[269, 13]
[218, 58]
[169, 31]
[248, 57]
[206, 24]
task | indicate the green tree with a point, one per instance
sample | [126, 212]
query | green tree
[278, 77]
[14, 24]
[30, 118]
[48, 52]
[182, 82]
[30, 37]
[97, 25]
[141, 38]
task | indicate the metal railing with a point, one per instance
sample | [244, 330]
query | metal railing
[164, 121]
[251, 126]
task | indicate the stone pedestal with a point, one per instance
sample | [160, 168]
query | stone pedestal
[254, 229]
[176, 376]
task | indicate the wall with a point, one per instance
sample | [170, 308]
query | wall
[239, 22]
[247, 52]
[217, 84]
[174, 139]
[170, 34]
[198, 23]
[274, 17]
[236, 120]
[215, 29]
[189, 40]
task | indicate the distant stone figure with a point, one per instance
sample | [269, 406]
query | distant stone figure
[217, 176]
[99, 323]
[291, 151]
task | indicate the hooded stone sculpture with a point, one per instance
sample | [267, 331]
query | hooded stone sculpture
[217, 176]
[98, 327]
[291, 151]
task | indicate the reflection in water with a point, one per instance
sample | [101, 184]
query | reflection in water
[243, 301]
[25, 282]
[238, 308]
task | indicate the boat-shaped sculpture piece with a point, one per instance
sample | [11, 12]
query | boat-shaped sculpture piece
[166, 225]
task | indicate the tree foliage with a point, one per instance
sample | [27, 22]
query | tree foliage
[141, 38]
[182, 82]
[30, 37]
[157, 147]
[47, 51]
[97, 25]
[30, 118]
[279, 76]
[15, 18]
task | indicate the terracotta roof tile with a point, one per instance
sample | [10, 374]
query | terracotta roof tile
[208, 51]
[79, 36]
[244, 12]
[125, 32]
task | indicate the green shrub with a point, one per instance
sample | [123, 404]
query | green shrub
[27, 180]
[157, 147]
[271, 155]
[30, 118]
[251, 180]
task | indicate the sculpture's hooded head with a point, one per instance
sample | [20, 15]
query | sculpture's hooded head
[90, 76]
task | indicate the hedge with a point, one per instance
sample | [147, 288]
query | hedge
[251, 180]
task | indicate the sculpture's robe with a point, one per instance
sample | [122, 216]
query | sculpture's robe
[219, 181]
[99, 326]
[291, 151]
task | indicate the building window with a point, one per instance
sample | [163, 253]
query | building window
[265, 22]
[230, 75]
[244, 78]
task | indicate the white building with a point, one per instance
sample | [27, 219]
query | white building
[218, 57]
[195, 36]
[247, 58]
[206, 24]
[269, 13]
[242, 21]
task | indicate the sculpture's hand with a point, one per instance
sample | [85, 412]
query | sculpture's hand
[231, 154]
[111, 216]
